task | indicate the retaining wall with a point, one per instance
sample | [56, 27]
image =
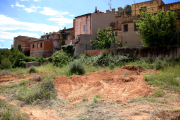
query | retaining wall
[144, 52]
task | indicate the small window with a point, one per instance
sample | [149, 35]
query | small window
[37, 45]
[166, 7]
[135, 27]
[33, 46]
[84, 27]
[48, 37]
[116, 33]
[41, 45]
[125, 28]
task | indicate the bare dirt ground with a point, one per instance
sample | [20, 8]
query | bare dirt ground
[114, 90]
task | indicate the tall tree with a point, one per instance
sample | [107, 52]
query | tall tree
[104, 38]
[157, 30]
[128, 9]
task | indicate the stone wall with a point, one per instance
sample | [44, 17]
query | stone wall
[144, 52]
[97, 52]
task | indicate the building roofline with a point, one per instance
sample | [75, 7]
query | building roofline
[83, 15]
[171, 3]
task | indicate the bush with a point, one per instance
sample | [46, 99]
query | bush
[111, 66]
[69, 50]
[40, 60]
[19, 57]
[42, 91]
[159, 64]
[32, 70]
[77, 68]
[60, 58]
[22, 64]
[5, 64]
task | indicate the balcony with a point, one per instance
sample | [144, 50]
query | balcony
[129, 19]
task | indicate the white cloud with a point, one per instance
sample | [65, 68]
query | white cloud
[32, 8]
[8, 23]
[72, 15]
[37, 0]
[49, 11]
[10, 41]
[12, 6]
[29, 10]
[1, 40]
[61, 21]
[9, 35]
[24, 0]
[18, 5]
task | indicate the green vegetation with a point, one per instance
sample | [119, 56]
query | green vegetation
[104, 38]
[157, 30]
[128, 9]
[10, 112]
[15, 58]
[42, 91]
[166, 79]
[32, 70]
[5, 64]
[77, 68]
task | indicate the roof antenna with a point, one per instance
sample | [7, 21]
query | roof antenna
[110, 5]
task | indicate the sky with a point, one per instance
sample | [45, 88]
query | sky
[34, 18]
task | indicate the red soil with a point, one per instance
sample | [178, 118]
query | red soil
[117, 85]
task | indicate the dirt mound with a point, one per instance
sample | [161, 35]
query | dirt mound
[117, 85]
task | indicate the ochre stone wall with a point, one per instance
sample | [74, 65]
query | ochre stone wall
[97, 52]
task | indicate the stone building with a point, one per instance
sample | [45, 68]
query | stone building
[24, 41]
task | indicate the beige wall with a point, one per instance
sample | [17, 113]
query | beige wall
[152, 6]
[130, 38]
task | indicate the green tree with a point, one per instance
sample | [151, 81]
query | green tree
[157, 30]
[104, 38]
[19, 48]
[128, 9]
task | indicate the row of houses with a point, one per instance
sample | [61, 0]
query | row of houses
[85, 29]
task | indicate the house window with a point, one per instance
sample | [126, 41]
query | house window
[41, 45]
[117, 23]
[84, 27]
[48, 37]
[33, 46]
[116, 33]
[135, 27]
[37, 45]
[125, 28]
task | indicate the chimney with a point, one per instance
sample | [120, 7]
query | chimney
[113, 10]
[107, 11]
[95, 10]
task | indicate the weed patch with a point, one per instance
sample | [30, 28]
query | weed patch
[9, 112]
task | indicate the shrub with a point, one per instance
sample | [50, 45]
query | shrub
[32, 69]
[5, 64]
[40, 60]
[111, 66]
[19, 57]
[103, 59]
[60, 58]
[69, 50]
[22, 64]
[10, 112]
[42, 91]
[76, 67]
[159, 64]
